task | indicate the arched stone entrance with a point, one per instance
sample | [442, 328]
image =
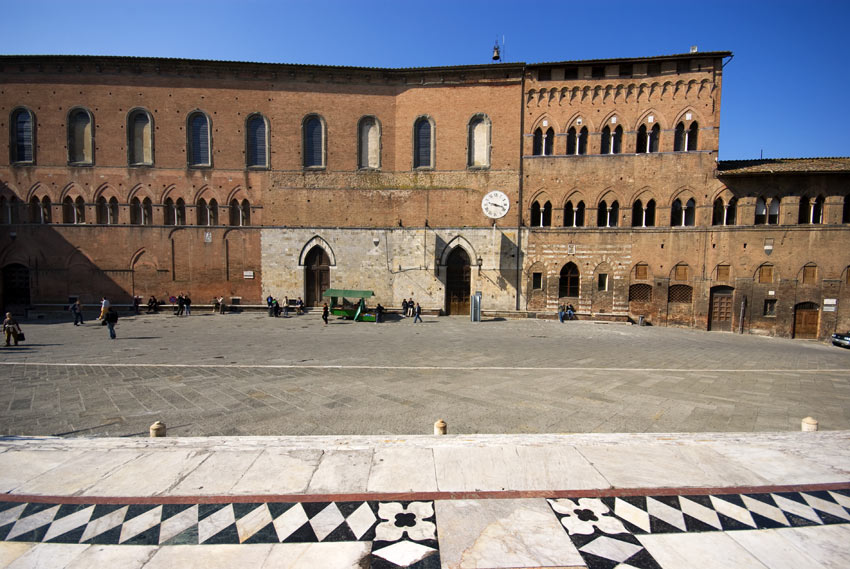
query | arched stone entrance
[457, 282]
[721, 309]
[16, 288]
[806, 316]
[317, 276]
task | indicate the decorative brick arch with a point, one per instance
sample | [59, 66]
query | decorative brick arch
[457, 241]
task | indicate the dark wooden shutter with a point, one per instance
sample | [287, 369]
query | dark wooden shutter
[200, 140]
[23, 137]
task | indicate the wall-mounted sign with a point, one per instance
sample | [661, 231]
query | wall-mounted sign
[247, 274]
[832, 301]
[207, 236]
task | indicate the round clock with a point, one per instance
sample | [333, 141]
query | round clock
[495, 204]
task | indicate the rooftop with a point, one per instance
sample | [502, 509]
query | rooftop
[825, 165]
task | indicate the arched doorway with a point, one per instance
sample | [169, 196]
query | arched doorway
[568, 284]
[806, 320]
[720, 319]
[457, 282]
[16, 288]
[317, 277]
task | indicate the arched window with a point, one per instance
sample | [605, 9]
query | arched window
[612, 140]
[606, 216]
[568, 284]
[113, 211]
[845, 214]
[479, 142]
[680, 294]
[574, 215]
[654, 138]
[35, 210]
[773, 212]
[314, 142]
[541, 216]
[690, 213]
[203, 212]
[676, 217]
[582, 140]
[761, 211]
[102, 211]
[135, 211]
[212, 207]
[423, 143]
[170, 214]
[811, 211]
[257, 142]
[637, 214]
[198, 140]
[649, 214]
[245, 212]
[147, 211]
[22, 137]
[691, 136]
[68, 210]
[685, 138]
[537, 145]
[718, 212]
[139, 138]
[572, 142]
[642, 145]
[80, 137]
[369, 141]
[180, 212]
[640, 293]
[549, 142]
[9, 209]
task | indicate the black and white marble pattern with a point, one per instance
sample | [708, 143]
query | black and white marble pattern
[604, 529]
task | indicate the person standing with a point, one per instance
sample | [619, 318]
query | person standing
[187, 304]
[404, 308]
[77, 310]
[417, 313]
[286, 307]
[111, 321]
[410, 307]
[379, 314]
[11, 329]
[325, 313]
[181, 304]
[299, 306]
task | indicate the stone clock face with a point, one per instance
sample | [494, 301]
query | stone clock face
[495, 204]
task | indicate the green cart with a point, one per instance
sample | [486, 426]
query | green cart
[350, 304]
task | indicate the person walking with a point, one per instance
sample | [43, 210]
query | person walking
[11, 329]
[379, 314]
[299, 307]
[77, 310]
[417, 313]
[325, 313]
[111, 321]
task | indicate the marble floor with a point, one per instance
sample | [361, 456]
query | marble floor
[427, 503]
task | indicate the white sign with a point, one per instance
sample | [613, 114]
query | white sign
[248, 274]
[771, 293]
[829, 308]
[207, 236]
[830, 301]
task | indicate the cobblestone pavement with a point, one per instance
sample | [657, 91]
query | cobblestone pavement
[249, 374]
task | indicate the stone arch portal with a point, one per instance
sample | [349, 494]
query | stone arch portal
[458, 280]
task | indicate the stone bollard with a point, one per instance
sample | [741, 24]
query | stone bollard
[440, 427]
[809, 425]
[157, 429]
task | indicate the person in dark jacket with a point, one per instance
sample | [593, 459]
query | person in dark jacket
[111, 320]
[11, 328]
[404, 308]
[417, 313]
[325, 313]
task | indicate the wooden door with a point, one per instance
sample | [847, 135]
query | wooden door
[317, 277]
[16, 288]
[806, 320]
[457, 283]
[721, 310]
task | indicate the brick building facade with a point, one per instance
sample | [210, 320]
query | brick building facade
[135, 176]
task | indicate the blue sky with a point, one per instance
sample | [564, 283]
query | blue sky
[776, 92]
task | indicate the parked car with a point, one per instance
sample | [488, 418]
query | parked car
[842, 340]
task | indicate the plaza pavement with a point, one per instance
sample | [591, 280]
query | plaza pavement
[651, 483]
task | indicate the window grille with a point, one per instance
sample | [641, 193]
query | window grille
[199, 140]
[679, 294]
[22, 136]
[640, 293]
[257, 149]
[422, 144]
[769, 307]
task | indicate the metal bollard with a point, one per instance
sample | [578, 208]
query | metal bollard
[157, 429]
[809, 425]
[440, 427]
